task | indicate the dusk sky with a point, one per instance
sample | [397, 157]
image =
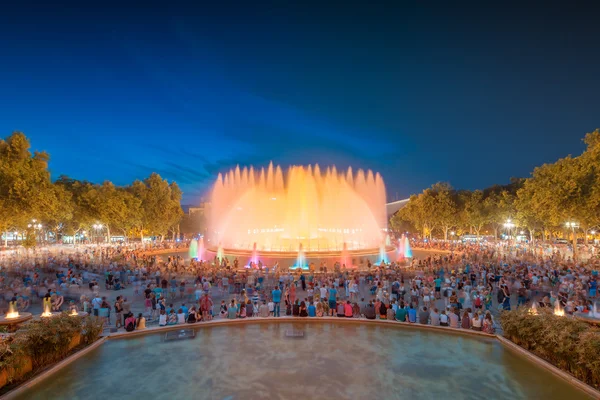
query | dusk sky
[421, 92]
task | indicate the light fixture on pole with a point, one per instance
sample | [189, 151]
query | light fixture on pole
[509, 225]
[573, 226]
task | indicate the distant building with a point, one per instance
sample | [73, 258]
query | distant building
[393, 207]
[199, 210]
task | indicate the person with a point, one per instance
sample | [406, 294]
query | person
[162, 318]
[435, 317]
[370, 310]
[401, 313]
[140, 322]
[340, 309]
[312, 310]
[223, 309]
[424, 316]
[296, 309]
[443, 318]
[206, 304]
[192, 316]
[118, 313]
[249, 309]
[263, 310]
[412, 314]
[391, 314]
[348, 311]
[382, 310]
[303, 310]
[276, 296]
[332, 299]
[96, 303]
[130, 323]
[476, 321]
[172, 318]
[126, 306]
[465, 323]
[319, 309]
[453, 317]
[488, 323]
[232, 310]
[180, 316]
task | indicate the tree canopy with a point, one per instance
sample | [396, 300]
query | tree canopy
[567, 190]
[68, 206]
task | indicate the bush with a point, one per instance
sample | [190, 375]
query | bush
[568, 343]
[46, 341]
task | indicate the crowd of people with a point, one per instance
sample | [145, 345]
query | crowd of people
[464, 287]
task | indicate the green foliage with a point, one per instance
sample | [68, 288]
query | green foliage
[69, 206]
[91, 329]
[568, 343]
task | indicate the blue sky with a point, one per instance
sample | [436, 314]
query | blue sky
[421, 92]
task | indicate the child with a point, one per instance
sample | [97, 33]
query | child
[223, 310]
[271, 307]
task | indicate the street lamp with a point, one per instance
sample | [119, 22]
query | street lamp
[509, 225]
[573, 226]
[452, 233]
[97, 227]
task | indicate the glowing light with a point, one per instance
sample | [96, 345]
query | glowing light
[11, 315]
[558, 309]
[320, 210]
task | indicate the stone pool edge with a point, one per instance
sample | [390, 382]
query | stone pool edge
[582, 386]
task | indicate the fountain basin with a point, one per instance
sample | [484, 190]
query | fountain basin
[232, 363]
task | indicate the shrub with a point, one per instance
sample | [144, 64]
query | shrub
[568, 343]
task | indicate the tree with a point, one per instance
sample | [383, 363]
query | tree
[26, 191]
[476, 212]
[444, 203]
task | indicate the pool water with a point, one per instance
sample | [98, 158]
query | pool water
[331, 361]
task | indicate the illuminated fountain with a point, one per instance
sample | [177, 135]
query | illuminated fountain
[193, 252]
[47, 312]
[345, 261]
[558, 310]
[13, 317]
[12, 311]
[320, 211]
[407, 249]
[200, 253]
[400, 248]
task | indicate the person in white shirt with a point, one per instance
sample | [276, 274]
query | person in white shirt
[271, 306]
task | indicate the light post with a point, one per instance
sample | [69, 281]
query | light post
[593, 236]
[509, 225]
[36, 227]
[97, 227]
[452, 233]
[573, 226]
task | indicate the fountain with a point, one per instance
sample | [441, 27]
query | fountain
[12, 310]
[278, 212]
[382, 253]
[345, 260]
[200, 253]
[220, 254]
[533, 309]
[13, 317]
[301, 259]
[558, 310]
[254, 259]
[407, 250]
[400, 251]
[47, 312]
[193, 252]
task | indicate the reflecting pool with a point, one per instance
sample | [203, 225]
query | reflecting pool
[331, 361]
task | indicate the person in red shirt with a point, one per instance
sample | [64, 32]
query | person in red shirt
[348, 312]
[205, 306]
